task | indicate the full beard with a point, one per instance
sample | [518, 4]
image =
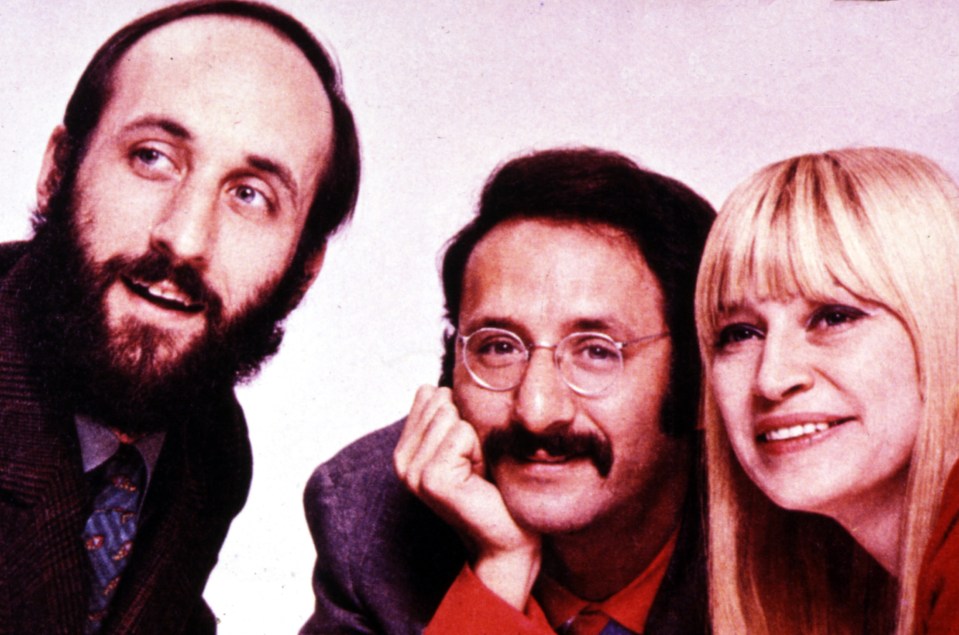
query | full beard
[131, 375]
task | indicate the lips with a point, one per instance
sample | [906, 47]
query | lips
[793, 427]
[542, 456]
[164, 294]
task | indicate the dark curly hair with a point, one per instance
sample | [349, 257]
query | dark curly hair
[667, 221]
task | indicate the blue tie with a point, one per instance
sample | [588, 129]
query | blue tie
[592, 621]
[109, 531]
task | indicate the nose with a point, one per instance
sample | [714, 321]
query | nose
[542, 399]
[186, 228]
[783, 368]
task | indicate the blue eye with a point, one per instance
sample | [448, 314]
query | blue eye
[150, 162]
[247, 194]
[251, 197]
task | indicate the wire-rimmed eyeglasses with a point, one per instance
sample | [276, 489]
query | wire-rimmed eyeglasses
[589, 363]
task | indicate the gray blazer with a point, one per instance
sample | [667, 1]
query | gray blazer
[385, 561]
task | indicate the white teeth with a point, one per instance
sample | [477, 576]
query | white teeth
[793, 432]
[167, 292]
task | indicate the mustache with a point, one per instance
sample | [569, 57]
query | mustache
[517, 442]
[155, 266]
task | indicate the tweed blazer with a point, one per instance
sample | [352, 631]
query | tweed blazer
[385, 560]
[198, 486]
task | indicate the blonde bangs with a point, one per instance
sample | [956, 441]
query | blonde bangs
[792, 230]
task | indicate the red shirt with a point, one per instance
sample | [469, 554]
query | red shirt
[469, 608]
[937, 601]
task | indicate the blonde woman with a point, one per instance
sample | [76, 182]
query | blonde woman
[828, 316]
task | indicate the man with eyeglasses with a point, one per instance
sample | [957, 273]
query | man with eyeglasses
[550, 483]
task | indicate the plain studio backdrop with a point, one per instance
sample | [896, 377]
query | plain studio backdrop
[444, 91]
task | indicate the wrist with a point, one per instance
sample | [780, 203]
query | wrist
[510, 574]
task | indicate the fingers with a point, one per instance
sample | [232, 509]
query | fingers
[419, 424]
[427, 400]
[435, 440]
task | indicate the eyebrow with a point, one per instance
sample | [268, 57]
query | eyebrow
[575, 326]
[594, 324]
[167, 125]
[277, 169]
[496, 323]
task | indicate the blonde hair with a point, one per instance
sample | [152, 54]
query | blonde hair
[884, 224]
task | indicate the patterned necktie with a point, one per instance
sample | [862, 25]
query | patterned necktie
[109, 531]
[592, 621]
[589, 621]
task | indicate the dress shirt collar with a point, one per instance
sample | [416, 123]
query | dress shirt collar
[98, 443]
[629, 606]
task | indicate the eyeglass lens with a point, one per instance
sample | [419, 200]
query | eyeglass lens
[588, 362]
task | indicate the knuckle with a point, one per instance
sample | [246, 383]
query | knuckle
[433, 480]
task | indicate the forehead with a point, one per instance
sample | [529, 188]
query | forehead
[551, 276]
[231, 81]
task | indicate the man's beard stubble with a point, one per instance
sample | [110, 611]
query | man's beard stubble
[130, 376]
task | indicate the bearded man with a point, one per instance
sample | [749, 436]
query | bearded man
[184, 207]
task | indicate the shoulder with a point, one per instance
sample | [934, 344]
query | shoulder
[367, 462]
[229, 454]
[10, 253]
[12, 285]
[359, 473]
[381, 553]
[356, 493]
[938, 596]
[209, 456]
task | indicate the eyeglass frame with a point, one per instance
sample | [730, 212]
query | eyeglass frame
[529, 347]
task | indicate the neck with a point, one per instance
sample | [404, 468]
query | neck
[599, 560]
[876, 524]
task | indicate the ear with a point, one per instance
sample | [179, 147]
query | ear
[50, 176]
[313, 267]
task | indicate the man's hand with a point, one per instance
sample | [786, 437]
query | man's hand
[440, 459]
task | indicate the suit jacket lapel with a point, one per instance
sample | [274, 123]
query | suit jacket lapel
[42, 492]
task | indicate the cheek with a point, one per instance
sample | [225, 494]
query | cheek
[262, 245]
[891, 396]
[731, 387]
[483, 409]
[902, 411]
[247, 258]
[629, 420]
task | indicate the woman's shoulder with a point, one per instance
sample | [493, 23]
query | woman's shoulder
[938, 596]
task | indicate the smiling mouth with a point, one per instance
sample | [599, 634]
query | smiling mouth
[799, 430]
[164, 294]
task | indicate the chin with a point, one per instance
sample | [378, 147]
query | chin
[549, 514]
[809, 500]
